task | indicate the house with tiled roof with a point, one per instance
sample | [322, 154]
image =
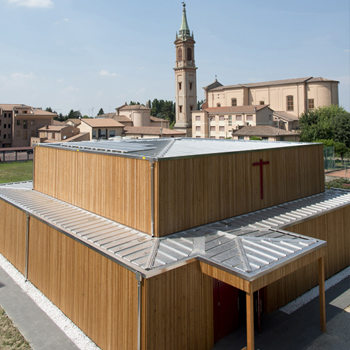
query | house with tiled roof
[221, 122]
[101, 128]
[265, 132]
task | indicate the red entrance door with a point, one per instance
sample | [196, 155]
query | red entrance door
[226, 316]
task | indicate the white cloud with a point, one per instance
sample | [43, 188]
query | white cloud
[106, 73]
[33, 3]
[60, 80]
[22, 76]
[346, 50]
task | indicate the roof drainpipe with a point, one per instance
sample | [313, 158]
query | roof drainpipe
[139, 309]
[152, 197]
[27, 246]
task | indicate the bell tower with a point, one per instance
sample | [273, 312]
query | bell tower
[185, 77]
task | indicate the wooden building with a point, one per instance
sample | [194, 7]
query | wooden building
[132, 239]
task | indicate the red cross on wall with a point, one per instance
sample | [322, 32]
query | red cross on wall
[261, 163]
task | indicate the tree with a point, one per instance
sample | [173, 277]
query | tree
[73, 114]
[101, 112]
[340, 148]
[132, 103]
[199, 105]
[49, 109]
[326, 123]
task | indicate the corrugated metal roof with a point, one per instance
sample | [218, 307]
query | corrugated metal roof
[248, 245]
[165, 148]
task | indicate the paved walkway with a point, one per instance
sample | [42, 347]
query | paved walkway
[300, 330]
[36, 327]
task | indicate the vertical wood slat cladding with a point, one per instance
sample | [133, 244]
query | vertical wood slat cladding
[13, 235]
[332, 227]
[98, 295]
[179, 310]
[195, 191]
[115, 187]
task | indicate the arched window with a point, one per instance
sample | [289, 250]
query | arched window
[189, 54]
[179, 54]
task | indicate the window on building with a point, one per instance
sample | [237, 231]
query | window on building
[212, 137]
[5, 126]
[262, 102]
[191, 86]
[221, 117]
[180, 86]
[191, 108]
[198, 128]
[93, 133]
[238, 118]
[0, 132]
[233, 102]
[180, 109]
[103, 133]
[4, 136]
[212, 128]
[311, 103]
[32, 122]
[5, 115]
[290, 103]
[221, 128]
[198, 118]
[9, 126]
[8, 136]
[265, 138]
[25, 124]
[221, 137]
[230, 120]
[240, 137]
[218, 105]
[189, 54]
[179, 54]
[18, 122]
[111, 133]
[249, 118]
[25, 135]
[0, 122]
[281, 138]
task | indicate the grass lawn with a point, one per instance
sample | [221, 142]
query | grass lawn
[16, 171]
[10, 337]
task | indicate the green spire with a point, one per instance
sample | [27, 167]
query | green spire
[184, 29]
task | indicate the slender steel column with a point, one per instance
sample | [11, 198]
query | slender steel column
[27, 246]
[322, 294]
[139, 309]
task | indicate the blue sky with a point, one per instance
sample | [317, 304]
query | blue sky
[88, 54]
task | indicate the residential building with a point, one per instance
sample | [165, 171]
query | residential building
[221, 122]
[19, 122]
[266, 133]
[59, 133]
[101, 128]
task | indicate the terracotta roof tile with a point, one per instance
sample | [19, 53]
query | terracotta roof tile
[263, 130]
[99, 122]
